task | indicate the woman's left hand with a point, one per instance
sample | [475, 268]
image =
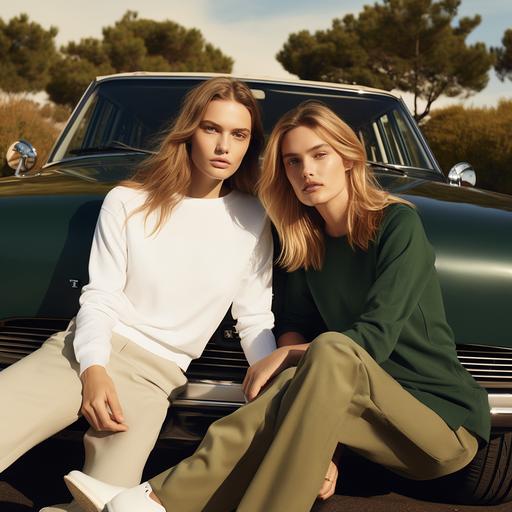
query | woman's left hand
[329, 484]
[262, 371]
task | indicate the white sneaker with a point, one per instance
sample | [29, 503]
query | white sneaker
[135, 499]
[91, 494]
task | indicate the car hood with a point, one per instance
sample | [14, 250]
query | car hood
[471, 231]
[92, 175]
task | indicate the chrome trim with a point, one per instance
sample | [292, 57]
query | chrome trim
[72, 159]
[500, 403]
[461, 173]
[414, 126]
[360, 89]
[69, 122]
[205, 403]
[501, 410]
[22, 157]
[209, 394]
[215, 394]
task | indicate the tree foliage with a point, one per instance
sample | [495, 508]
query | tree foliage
[410, 45]
[27, 52]
[70, 78]
[480, 136]
[503, 64]
[133, 44]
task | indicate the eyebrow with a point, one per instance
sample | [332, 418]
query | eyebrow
[213, 123]
[314, 148]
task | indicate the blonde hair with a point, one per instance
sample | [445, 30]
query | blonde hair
[301, 228]
[166, 175]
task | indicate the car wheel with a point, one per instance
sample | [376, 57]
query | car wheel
[487, 479]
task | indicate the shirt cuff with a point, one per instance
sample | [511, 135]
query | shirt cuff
[258, 347]
[91, 358]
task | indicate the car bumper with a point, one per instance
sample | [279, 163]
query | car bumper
[217, 399]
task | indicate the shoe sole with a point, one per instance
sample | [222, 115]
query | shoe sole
[80, 495]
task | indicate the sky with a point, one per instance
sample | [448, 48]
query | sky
[251, 31]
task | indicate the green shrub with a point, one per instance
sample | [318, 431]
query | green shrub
[480, 136]
[25, 119]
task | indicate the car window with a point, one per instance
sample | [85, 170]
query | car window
[415, 152]
[137, 111]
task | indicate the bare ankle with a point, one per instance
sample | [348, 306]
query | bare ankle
[154, 497]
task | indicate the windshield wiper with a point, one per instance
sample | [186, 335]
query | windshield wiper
[387, 167]
[113, 146]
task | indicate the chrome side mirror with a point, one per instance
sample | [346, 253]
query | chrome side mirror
[21, 156]
[462, 174]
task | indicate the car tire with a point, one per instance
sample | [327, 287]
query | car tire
[487, 479]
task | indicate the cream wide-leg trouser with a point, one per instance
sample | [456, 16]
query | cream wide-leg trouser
[42, 394]
[272, 454]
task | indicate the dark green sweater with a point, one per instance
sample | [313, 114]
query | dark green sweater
[388, 300]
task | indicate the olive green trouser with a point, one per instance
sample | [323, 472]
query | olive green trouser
[272, 454]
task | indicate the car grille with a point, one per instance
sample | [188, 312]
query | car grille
[224, 360]
[20, 337]
[491, 366]
[227, 363]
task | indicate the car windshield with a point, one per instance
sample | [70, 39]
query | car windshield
[131, 113]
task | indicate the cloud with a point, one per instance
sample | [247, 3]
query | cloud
[229, 11]
[254, 43]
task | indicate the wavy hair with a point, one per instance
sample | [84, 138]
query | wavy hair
[166, 175]
[300, 227]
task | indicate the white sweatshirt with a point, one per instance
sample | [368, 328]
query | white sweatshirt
[169, 291]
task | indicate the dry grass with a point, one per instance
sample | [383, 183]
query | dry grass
[25, 119]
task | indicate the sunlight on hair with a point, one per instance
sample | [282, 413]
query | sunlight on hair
[301, 228]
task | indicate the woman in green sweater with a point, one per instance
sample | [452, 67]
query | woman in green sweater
[366, 358]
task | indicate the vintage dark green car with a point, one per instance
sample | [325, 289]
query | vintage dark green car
[47, 220]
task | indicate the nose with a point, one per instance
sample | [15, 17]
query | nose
[222, 146]
[307, 169]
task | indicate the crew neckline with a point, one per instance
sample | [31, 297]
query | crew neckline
[331, 237]
[220, 199]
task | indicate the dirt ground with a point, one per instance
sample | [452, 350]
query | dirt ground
[36, 480]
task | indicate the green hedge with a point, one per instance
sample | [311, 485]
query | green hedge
[480, 136]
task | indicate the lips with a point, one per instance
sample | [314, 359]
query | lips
[311, 186]
[220, 163]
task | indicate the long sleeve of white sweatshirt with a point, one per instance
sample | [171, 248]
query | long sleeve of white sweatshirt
[168, 292]
[102, 299]
[252, 303]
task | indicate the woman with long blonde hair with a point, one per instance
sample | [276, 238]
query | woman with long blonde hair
[366, 358]
[174, 247]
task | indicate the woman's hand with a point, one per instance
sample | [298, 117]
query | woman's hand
[100, 404]
[329, 484]
[261, 372]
